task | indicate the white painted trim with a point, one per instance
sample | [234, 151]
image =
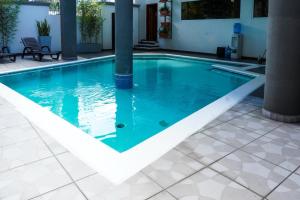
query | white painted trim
[62, 64]
[197, 58]
[118, 167]
[235, 70]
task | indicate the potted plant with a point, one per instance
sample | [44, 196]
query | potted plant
[43, 28]
[90, 26]
[163, 32]
[164, 11]
[9, 10]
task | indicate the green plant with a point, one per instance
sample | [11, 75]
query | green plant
[54, 7]
[90, 20]
[43, 28]
[163, 30]
[9, 10]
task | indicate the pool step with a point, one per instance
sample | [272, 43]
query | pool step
[148, 42]
[147, 45]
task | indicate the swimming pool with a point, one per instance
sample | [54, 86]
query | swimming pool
[167, 90]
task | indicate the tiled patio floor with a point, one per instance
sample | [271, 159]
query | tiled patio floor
[239, 156]
[6, 66]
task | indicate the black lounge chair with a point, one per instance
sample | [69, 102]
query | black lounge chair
[33, 48]
[4, 53]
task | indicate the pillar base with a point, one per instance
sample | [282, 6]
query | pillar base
[124, 81]
[281, 118]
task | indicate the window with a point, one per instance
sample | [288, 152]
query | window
[210, 9]
[260, 8]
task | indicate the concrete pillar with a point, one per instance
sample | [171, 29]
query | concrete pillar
[124, 40]
[282, 89]
[68, 29]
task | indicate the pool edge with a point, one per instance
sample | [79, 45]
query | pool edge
[135, 159]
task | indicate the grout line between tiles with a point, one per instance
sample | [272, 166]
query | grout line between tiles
[66, 171]
[206, 167]
[236, 149]
[253, 191]
[241, 148]
[281, 182]
[166, 189]
[26, 164]
[15, 143]
[58, 188]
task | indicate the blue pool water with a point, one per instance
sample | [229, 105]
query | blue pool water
[165, 91]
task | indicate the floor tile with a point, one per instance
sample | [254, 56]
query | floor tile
[162, 196]
[229, 115]
[204, 148]
[257, 114]
[285, 155]
[211, 124]
[256, 101]
[295, 126]
[298, 171]
[252, 172]
[138, 187]
[55, 147]
[2, 101]
[171, 168]
[260, 126]
[7, 110]
[286, 134]
[22, 153]
[244, 108]
[74, 166]
[288, 190]
[32, 180]
[209, 185]
[232, 135]
[12, 120]
[13, 135]
[69, 192]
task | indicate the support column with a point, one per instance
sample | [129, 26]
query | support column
[282, 89]
[124, 40]
[68, 29]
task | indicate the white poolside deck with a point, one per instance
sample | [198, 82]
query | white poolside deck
[239, 156]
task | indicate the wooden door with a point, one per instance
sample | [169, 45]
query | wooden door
[151, 22]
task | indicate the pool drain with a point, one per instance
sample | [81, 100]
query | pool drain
[120, 125]
[164, 123]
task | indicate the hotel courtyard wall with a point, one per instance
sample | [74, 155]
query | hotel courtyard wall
[206, 35]
[30, 13]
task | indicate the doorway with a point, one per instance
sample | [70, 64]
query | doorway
[151, 19]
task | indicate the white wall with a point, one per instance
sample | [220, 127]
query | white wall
[29, 14]
[54, 21]
[27, 26]
[189, 35]
[206, 35]
[107, 26]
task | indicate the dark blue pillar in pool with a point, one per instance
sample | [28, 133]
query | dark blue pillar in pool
[124, 40]
[68, 29]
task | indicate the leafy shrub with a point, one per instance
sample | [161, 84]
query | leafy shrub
[90, 20]
[9, 10]
[43, 28]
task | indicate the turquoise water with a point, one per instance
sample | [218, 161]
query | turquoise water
[165, 91]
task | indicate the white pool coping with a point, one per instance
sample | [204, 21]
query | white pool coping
[114, 166]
